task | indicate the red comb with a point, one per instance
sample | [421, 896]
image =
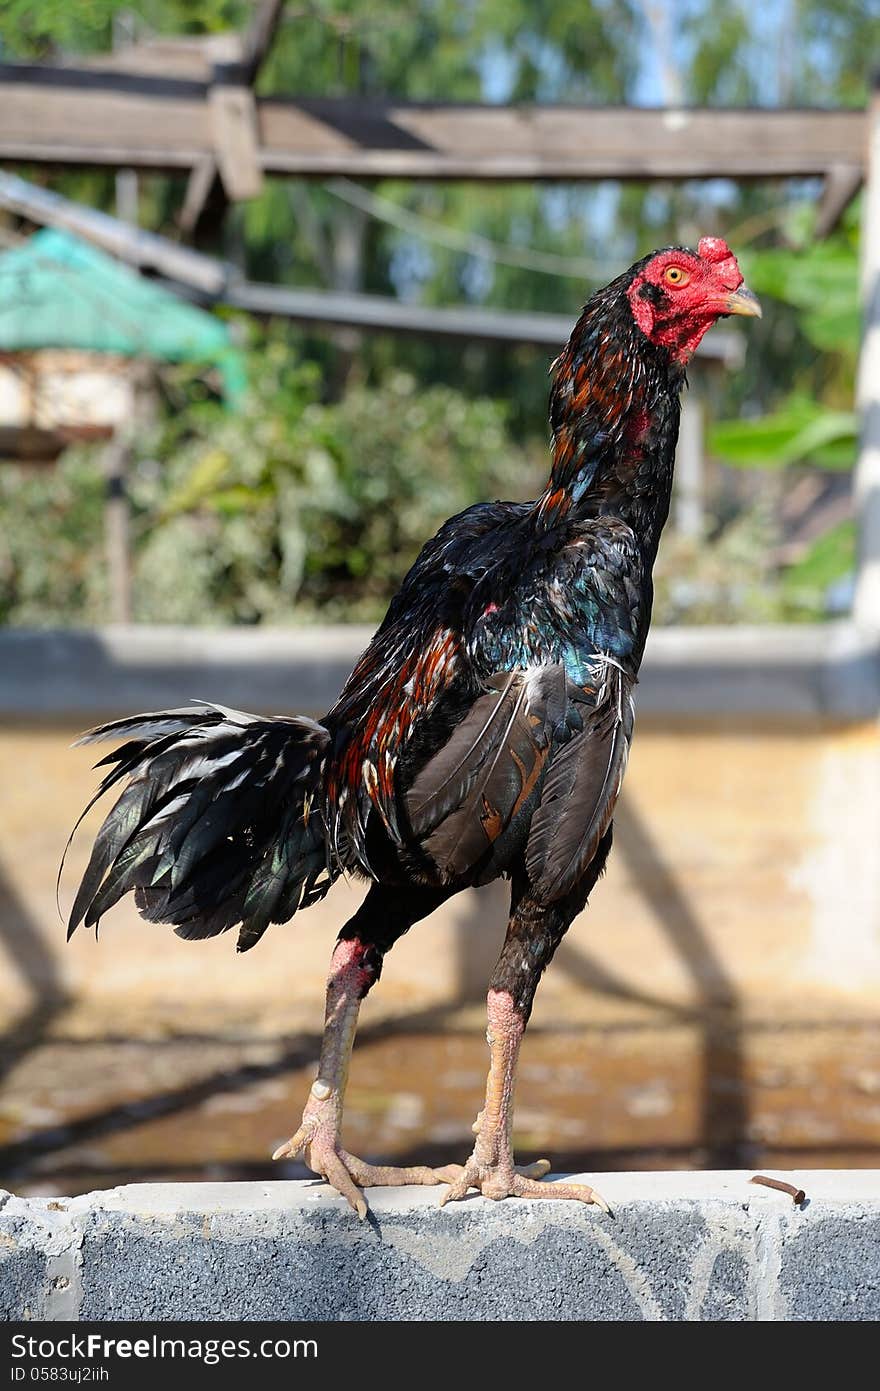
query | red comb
[714, 249]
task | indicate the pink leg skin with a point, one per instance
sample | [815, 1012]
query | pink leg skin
[318, 1137]
[491, 1168]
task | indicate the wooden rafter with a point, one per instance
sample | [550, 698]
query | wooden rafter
[842, 183]
[234, 169]
[63, 116]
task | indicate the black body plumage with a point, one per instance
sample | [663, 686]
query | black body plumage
[484, 731]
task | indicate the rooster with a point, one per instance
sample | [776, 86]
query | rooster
[483, 733]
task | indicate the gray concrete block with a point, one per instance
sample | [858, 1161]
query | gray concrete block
[730, 1295]
[705, 1246]
[22, 1275]
[295, 1251]
[830, 1263]
[37, 1261]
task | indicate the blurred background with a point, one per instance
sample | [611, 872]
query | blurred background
[279, 289]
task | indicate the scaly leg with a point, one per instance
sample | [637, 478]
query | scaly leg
[491, 1168]
[533, 934]
[355, 966]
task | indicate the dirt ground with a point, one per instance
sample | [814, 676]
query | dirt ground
[90, 1114]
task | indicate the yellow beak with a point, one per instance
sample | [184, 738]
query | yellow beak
[742, 301]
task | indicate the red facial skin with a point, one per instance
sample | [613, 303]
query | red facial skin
[676, 315]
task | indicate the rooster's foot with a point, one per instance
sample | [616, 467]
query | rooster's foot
[317, 1142]
[505, 1180]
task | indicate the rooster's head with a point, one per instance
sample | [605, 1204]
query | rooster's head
[677, 294]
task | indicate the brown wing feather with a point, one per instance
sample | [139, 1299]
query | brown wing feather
[470, 792]
[578, 797]
[446, 780]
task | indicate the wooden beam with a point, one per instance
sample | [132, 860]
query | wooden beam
[688, 483]
[190, 57]
[138, 248]
[842, 183]
[552, 142]
[464, 322]
[202, 188]
[217, 178]
[259, 38]
[234, 133]
[117, 528]
[112, 119]
[378, 312]
[60, 116]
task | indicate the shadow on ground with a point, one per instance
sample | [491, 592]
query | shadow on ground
[702, 1094]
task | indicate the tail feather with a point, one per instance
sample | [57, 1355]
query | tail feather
[218, 824]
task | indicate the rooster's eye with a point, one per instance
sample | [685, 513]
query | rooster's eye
[674, 275]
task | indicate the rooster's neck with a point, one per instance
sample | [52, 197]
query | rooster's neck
[614, 412]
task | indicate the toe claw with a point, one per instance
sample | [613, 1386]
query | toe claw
[596, 1197]
[296, 1144]
[287, 1151]
[456, 1190]
[339, 1178]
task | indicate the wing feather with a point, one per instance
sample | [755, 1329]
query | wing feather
[578, 796]
[468, 795]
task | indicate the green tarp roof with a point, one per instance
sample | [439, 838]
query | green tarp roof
[59, 292]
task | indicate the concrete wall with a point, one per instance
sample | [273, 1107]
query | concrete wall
[744, 868]
[706, 1246]
[829, 669]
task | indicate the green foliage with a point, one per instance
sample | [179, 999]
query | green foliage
[302, 504]
[820, 279]
[40, 30]
[289, 508]
[802, 430]
[731, 580]
[297, 506]
[805, 585]
[51, 543]
[814, 423]
[737, 579]
[819, 282]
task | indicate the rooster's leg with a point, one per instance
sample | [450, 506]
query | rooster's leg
[534, 932]
[355, 967]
